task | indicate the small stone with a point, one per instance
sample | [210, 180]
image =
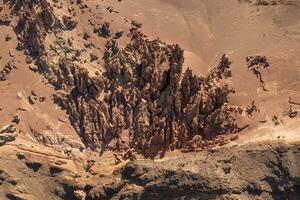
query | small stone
[70, 42]
[20, 156]
[16, 119]
[11, 54]
[118, 34]
[96, 29]
[42, 99]
[28, 59]
[86, 36]
[136, 24]
[104, 31]
[8, 38]
[31, 100]
[79, 194]
[33, 93]
[234, 138]
[93, 57]
[33, 67]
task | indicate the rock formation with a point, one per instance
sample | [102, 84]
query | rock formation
[95, 109]
[8, 67]
[143, 100]
[9, 132]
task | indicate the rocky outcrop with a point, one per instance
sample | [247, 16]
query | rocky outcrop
[104, 31]
[137, 99]
[9, 132]
[143, 101]
[33, 24]
[8, 67]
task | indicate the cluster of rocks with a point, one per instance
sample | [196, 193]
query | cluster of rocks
[8, 38]
[104, 30]
[33, 24]
[8, 67]
[9, 132]
[33, 98]
[6, 178]
[143, 101]
[82, 4]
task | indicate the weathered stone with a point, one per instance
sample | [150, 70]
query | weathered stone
[69, 22]
[142, 100]
[8, 133]
[104, 31]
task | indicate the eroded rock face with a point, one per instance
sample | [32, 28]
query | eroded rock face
[33, 24]
[142, 100]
